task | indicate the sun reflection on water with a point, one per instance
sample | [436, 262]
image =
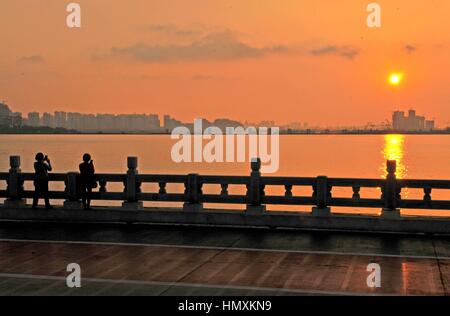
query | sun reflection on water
[394, 150]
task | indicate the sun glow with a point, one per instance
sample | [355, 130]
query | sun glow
[395, 79]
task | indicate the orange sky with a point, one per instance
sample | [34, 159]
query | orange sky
[282, 60]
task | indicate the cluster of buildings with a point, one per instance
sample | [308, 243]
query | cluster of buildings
[96, 122]
[102, 123]
[122, 123]
[82, 122]
[411, 123]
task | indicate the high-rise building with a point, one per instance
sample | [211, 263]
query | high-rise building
[106, 122]
[60, 119]
[89, 123]
[74, 121]
[48, 120]
[398, 120]
[34, 119]
[153, 121]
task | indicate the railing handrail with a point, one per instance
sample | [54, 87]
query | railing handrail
[269, 180]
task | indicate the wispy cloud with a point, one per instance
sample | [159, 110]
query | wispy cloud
[33, 59]
[214, 46]
[177, 31]
[347, 52]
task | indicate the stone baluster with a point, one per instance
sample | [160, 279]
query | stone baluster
[391, 194]
[224, 189]
[15, 185]
[102, 182]
[132, 186]
[255, 191]
[162, 188]
[288, 190]
[322, 192]
[427, 194]
[72, 191]
[356, 189]
[193, 191]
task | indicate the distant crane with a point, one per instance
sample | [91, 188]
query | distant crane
[387, 124]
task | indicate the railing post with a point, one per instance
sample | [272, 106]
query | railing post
[15, 185]
[390, 195]
[72, 201]
[255, 190]
[131, 185]
[193, 190]
[321, 193]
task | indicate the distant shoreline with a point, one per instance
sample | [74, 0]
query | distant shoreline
[317, 133]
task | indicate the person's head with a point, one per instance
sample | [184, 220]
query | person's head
[86, 157]
[39, 157]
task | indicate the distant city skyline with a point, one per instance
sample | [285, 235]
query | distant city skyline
[107, 122]
[95, 122]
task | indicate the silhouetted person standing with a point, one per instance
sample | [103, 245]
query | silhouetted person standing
[87, 180]
[42, 166]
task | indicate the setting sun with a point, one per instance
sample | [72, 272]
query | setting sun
[395, 79]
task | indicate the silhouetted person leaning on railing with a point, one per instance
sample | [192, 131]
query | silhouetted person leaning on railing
[87, 180]
[42, 166]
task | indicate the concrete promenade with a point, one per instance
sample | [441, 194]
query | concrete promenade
[122, 259]
[228, 218]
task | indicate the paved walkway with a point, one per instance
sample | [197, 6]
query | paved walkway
[152, 260]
